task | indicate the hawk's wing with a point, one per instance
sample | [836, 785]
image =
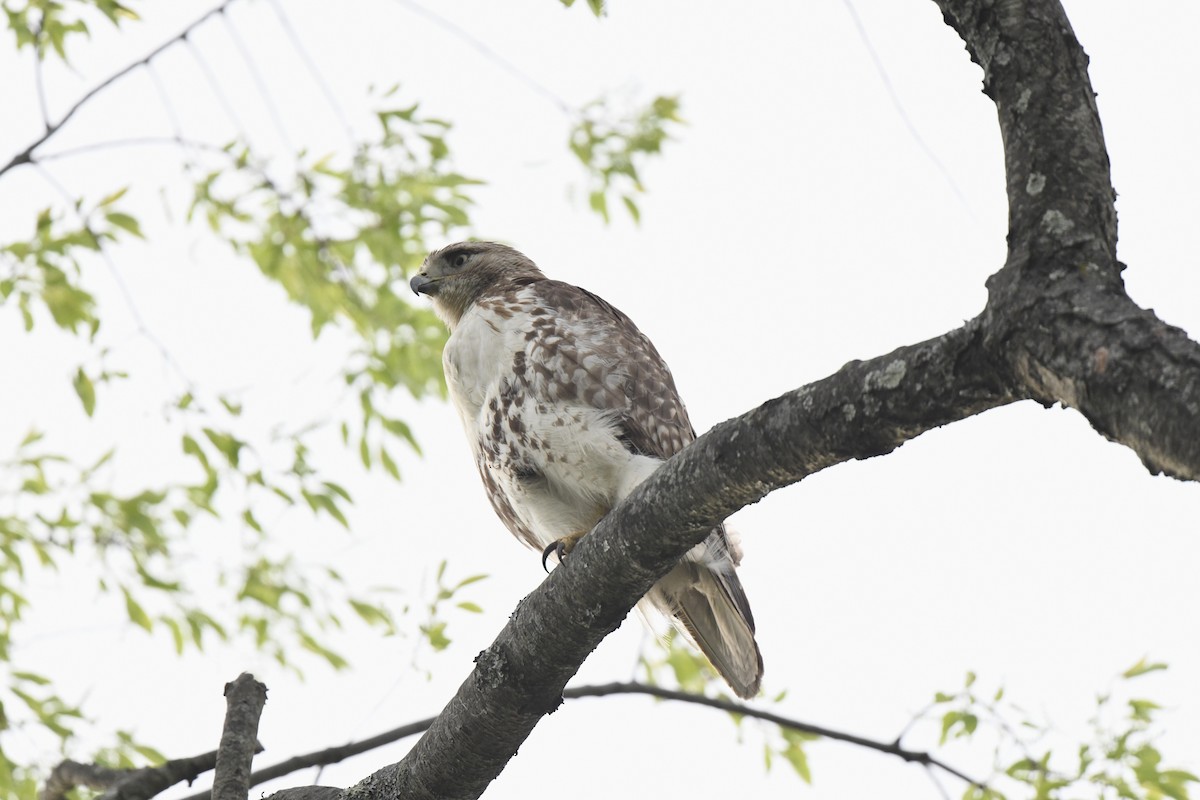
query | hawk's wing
[611, 365]
[581, 350]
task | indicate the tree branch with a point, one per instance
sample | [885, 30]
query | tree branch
[330, 755]
[1058, 316]
[865, 409]
[245, 698]
[125, 784]
[26, 155]
[890, 748]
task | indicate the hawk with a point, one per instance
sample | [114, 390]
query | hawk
[567, 407]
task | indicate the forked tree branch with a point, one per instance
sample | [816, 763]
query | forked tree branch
[1058, 316]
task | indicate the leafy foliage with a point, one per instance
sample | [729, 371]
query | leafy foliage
[613, 147]
[434, 628]
[44, 271]
[1120, 759]
[339, 239]
[43, 24]
[337, 236]
[597, 6]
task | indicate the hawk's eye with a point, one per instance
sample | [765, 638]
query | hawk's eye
[460, 260]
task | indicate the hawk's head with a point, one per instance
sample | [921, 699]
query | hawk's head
[459, 274]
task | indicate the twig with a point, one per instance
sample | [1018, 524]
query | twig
[908, 726]
[908, 123]
[132, 141]
[210, 78]
[122, 287]
[244, 698]
[164, 99]
[256, 75]
[942, 793]
[26, 155]
[890, 748]
[490, 55]
[39, 80]
[311, 66]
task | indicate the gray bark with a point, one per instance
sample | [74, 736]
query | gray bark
[244, 699]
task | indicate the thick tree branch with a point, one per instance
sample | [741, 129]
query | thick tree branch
[244, 698]
[865, 409]
[1058, 316]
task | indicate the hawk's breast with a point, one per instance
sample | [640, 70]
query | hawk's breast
[541, 414]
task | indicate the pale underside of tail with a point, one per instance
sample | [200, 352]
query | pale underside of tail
[707, 604]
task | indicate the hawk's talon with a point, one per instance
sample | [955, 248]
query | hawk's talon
[560, 548]
[553, 547]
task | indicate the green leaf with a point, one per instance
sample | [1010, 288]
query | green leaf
[230, 447]
[632, 208]
[136, 613]
[469, 580]
[436, 634]
[1141, 668]
[313, 646]
[86, 391]
[372, 614]
[249, 518]
[1142, 710]
[112, 198]
[33, 436]
[469, 606]
[599, 203]
[795, 755]
[125, 222]
[31, 677]
[389, 464]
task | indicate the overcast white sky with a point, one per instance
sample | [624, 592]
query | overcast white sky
[795, 224]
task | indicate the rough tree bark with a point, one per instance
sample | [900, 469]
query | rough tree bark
[1058, 327]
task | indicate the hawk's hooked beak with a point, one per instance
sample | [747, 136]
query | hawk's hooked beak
[423, 284]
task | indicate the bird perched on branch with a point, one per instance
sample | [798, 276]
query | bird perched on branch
[567, 407]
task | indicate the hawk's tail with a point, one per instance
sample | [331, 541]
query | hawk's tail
[709, 605]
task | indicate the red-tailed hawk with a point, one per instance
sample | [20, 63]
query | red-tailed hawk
[567, 407]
